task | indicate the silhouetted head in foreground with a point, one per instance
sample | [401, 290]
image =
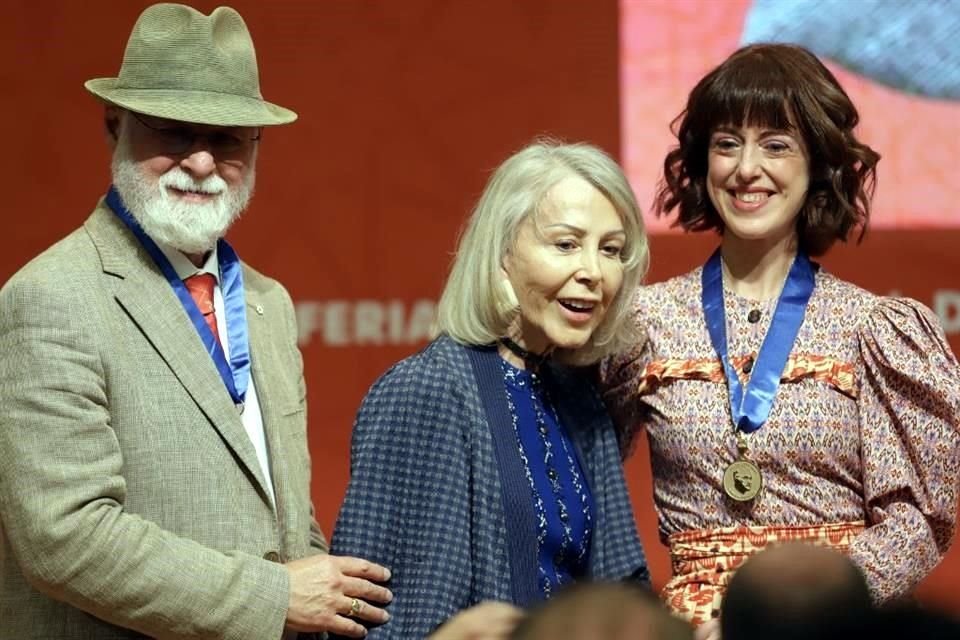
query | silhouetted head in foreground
[602, 611]
[796, 591]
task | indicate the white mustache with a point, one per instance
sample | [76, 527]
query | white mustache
[180, 180]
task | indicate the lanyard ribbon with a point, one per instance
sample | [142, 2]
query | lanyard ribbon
[236, 373]
[751, 408]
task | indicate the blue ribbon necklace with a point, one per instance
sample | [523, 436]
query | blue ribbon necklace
[236, 373]
[750, 407]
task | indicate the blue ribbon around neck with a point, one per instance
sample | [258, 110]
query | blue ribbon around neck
[236, 373]
[751, 408]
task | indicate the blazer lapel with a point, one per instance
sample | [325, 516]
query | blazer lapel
[147, 298]
[263, 360]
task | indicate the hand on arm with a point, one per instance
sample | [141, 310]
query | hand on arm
[323, 589]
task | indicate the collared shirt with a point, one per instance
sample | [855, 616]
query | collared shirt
[251, 417]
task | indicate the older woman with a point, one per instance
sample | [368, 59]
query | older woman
[780, 402]
[485, 467]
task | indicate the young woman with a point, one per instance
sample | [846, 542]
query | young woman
[780, 402]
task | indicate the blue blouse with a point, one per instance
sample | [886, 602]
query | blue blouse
[563, 503]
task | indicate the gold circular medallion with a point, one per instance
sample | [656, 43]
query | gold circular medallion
[742, 480]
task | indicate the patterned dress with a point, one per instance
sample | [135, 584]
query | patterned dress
[864, 427]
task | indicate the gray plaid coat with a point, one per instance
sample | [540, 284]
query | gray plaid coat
[438, 495]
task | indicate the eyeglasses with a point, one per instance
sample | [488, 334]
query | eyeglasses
[178, 140]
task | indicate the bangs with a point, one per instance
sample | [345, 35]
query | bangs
[783, 88]
[755, 92]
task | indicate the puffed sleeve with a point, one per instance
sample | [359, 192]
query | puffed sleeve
[619, 378]
[909, 404]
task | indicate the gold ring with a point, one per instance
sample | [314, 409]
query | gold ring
[355, 607]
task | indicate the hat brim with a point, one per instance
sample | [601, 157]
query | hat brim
[199, 107]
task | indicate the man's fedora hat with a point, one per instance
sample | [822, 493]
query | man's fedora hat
[183, 65]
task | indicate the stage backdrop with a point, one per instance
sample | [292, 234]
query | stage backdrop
[405, 107]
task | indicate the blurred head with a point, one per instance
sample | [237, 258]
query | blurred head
[184, 183]
[767, 146]
[796, 591]
[550, 256]
[602, 611]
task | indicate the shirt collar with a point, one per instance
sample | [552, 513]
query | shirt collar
[184, 268]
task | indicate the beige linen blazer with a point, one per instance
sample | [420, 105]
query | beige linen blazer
[131, 499]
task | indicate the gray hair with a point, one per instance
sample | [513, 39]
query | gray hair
[476, 307]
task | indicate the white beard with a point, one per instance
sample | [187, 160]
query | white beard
[189, 227]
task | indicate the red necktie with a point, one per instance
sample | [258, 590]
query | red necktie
[200, 287]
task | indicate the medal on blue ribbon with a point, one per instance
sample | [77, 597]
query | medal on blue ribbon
[750, 407]
[235, 373]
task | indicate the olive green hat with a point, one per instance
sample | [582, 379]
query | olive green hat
[183, 65]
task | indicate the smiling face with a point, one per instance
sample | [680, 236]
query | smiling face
[757, 180]
[565, 267]
[185, 184]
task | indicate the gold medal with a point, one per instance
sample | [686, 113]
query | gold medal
[742, 480]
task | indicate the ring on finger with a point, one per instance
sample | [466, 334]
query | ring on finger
[355, 607]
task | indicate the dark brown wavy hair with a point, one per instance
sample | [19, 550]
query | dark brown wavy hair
[776, 86]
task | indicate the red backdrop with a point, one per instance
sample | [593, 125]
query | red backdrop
[404, 109]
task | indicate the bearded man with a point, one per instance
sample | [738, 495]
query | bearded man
[154, 471]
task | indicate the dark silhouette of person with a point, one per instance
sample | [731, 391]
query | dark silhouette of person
[602, 611]
[796, 591]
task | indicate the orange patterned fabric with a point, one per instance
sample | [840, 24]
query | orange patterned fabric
[704, 561]
[837, 374]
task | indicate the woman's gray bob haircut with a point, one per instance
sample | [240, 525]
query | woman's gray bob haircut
[476, 307]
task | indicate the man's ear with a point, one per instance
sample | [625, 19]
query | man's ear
[111, 122]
